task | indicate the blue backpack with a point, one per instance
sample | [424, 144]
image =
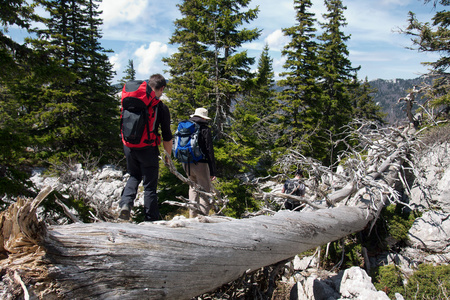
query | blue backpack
[185, 145]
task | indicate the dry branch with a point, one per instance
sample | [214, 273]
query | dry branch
[213, 196]
[155, 261]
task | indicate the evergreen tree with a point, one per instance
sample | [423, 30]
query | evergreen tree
[15, 61]
[364, 107]
[208, 70]
[101, 108]
[434, 38]
[72, 96]
[130, 73]
[190, 66]
[300, 100]
[253, 125]
[12, 54]
[337, 77]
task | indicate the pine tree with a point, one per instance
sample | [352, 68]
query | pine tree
[71, 88]
[16, 60]
[208, 70]
[189, 85]
[301, 99]
[337, 77]
[364, 107]
[253, 125]
[434, 38]
[12, 54]
[101, 107]
[130, 73]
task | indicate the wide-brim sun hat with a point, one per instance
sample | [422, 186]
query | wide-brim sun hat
[202, 113]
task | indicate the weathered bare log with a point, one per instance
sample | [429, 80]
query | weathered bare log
[155, 261]
[152, 261]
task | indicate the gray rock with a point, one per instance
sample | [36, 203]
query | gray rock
[310, 287]
[431, 232]
[356, 284]
[432, 186]
[305, 262]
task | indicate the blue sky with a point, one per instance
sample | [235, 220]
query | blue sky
[140, 30]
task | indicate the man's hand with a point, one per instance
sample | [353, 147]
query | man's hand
[168, 148]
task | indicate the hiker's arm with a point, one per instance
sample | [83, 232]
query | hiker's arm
[165, 129]
[164, 116]
[209, 151]
[168, 146]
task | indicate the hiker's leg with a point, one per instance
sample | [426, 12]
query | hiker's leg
[150, 181]
[130, 189]
[150, 169]
[199, 173]
[204, 180]
[191, 173]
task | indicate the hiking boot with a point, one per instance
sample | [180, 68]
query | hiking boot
[125, 213]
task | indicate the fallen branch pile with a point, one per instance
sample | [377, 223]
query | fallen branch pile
[181, 260]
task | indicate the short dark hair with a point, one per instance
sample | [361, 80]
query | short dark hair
[299, 172]
[157, 81]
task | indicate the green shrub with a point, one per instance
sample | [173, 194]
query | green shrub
[389, 280]
[398, 222]
[394, 224]
[348, 250]
[435, 135]
[429, 282]
[239, 197]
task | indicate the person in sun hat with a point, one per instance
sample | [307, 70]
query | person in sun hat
[204, 171]
[295, 187]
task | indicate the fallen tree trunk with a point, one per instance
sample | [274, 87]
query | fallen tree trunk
[152, 261]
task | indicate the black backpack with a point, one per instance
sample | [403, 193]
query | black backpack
[139, 113]
[294, 187]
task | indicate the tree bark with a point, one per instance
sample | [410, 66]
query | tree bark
[153, 261]
[181, 260]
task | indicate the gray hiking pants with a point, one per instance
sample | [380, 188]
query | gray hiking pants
[199, 173]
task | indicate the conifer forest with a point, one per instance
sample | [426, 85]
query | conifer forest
[60, 112]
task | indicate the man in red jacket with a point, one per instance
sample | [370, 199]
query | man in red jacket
[143, 162]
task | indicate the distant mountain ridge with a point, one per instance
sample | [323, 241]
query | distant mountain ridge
[388, 93]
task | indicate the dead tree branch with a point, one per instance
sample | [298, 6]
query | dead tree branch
[214, 197]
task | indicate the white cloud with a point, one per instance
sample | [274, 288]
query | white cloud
[277, 14]
[116, 63]
[276, 40]
[138, 20]
[257, 45]
[149, 58]
[117, 11]
[367, 22]
[394, 2]
[141, 30]
[277, 66]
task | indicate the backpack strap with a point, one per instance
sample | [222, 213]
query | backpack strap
[155, 113]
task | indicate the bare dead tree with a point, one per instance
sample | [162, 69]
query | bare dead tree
[214, 197]
[181, 260]
[359, 170]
